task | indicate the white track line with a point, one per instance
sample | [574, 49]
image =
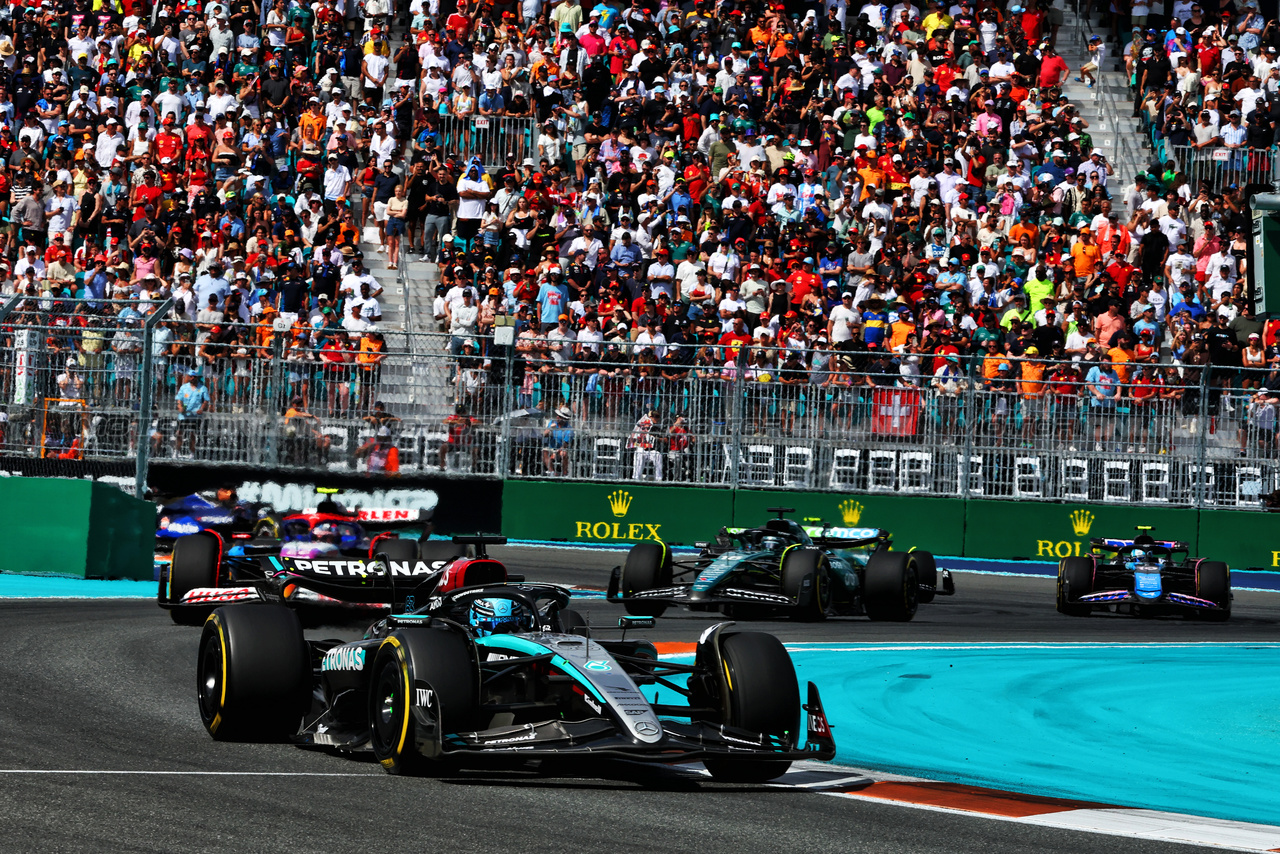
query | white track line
[108, 772]
[827, 646]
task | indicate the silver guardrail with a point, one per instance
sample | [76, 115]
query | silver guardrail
[313, 399]
[491, 138]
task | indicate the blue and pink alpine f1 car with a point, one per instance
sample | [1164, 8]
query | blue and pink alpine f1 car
[1144, 577]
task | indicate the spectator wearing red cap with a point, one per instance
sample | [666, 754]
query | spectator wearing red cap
[803, 282]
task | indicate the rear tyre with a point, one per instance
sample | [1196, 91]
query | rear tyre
[437, 554]
[194, 564]
[417, 674]
[1075, 579]
[253, 673]
[891, 589]
[806, 578]
[927, 575]
[1213, 582]
[762, 696]
[648, 567]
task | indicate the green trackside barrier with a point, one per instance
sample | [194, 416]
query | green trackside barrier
[122, 535]
[1242, 538]
[609, 514]
[599, 513]
[72, 527]
[1021, 530]
[932, 524]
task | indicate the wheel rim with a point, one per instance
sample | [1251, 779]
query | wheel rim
[910, 591]
[385, 702]
[210, 680]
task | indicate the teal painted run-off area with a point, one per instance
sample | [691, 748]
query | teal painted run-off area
[1189, 728]
[14, 586]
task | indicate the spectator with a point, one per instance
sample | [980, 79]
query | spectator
[302, 428]
[379, 453]
[557, 439]
[193, 404]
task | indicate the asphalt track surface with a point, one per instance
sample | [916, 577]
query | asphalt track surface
[109, 687]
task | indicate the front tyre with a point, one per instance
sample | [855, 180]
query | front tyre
[1213, 582]
[760, 694]
[648, 567]
[807, 579]
[423, 687]
[1075, 579]
[927, 575]
[253, 673]
[891, 590]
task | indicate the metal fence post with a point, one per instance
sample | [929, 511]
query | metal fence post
[145, 400]
[735, 436]
[504, 461]
[10, 305]
[1202, 436]
[970, 425]
[271, 449]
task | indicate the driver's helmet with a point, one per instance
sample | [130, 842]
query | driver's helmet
[326, 532]
[769, 542]
[499, 616]
[1137, 558]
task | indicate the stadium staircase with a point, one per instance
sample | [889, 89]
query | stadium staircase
[415, 380]
[1108, 106]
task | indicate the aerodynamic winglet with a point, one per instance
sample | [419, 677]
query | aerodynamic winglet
[818, 737]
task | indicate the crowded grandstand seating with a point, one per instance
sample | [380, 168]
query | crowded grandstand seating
[764, 244]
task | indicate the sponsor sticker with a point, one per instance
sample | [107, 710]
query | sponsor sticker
[343, 658]
[514, 739]
[362, 568]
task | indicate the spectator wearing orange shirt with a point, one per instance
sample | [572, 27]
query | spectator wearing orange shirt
[1086, 255]
[1112, 229]
[870, 172]
[1120, 356]
[1021, 228]
[1033, 391]
[312, 123]
[901, 330]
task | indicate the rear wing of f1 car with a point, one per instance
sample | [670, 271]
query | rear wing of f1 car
[1111, 544]
[378, 518]
[828, 536]
[403, 585]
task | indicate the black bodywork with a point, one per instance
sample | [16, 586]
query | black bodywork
[1144, 577]
[744, 572]
[558, 689]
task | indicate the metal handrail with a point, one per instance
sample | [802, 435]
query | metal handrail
[1108, 106]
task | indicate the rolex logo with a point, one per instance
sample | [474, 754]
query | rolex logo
[850, 512]
[619, 502]
[1081, 522]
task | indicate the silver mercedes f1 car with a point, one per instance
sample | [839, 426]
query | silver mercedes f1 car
[507, 670]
